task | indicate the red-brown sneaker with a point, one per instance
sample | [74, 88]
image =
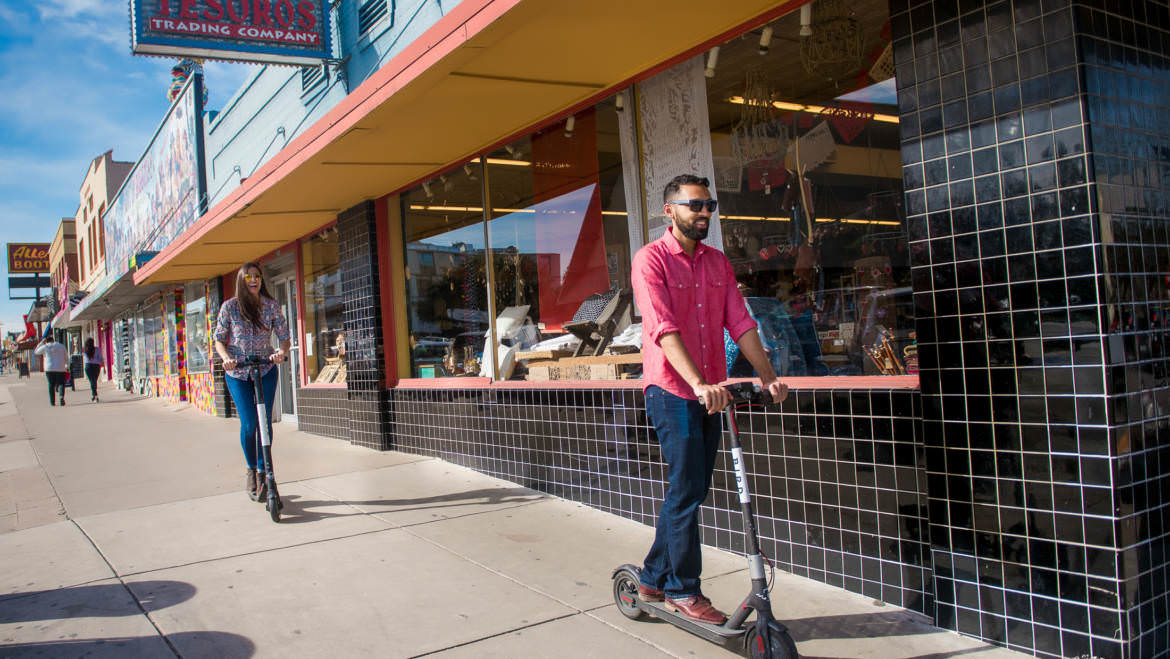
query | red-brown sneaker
[697, 607]
[648, 594]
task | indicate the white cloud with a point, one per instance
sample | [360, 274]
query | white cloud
[50, 9]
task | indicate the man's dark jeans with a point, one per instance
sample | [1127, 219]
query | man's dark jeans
[56, 383]
[689, 438]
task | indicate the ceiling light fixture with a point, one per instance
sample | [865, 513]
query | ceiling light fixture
[712, 61]
[510, 163]
[570, 124]
[766, 40]
[813, 109]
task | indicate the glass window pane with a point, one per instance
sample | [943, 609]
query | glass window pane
[446, 288]
[559, 231]
[324, 309]
[824, 265]
[196, 319]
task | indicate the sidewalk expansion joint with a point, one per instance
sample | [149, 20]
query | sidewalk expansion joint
[137, 602]
[496, 635]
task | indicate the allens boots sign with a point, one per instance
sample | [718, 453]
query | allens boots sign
[270, 31]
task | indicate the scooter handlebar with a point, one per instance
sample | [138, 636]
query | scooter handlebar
[253, 360]
[748, 392]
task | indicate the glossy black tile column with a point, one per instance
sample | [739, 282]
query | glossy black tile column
[1037, 390]
[1125, 50]
[364, 357]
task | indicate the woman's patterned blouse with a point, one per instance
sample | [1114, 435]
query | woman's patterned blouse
[242, 338]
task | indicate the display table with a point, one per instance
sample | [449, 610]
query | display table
[597, 367]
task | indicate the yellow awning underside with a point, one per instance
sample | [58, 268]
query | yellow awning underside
[487, 71]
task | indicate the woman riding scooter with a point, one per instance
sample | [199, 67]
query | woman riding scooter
[244, 328]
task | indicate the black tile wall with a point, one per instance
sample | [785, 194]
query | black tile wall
[1126, 68]
[1043, 394]
[837, 476]
[323, 411]
[365, 380]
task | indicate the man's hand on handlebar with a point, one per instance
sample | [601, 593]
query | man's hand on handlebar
[778, 389]
[714, 397]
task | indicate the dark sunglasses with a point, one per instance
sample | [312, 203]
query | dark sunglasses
[697, 205]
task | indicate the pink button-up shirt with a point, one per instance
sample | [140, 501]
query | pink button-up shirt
[694, 296]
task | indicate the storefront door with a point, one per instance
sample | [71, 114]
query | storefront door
[285, 292]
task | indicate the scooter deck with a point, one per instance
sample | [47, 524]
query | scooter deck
[714, 633]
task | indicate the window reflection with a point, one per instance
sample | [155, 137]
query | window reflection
[196, 326]
[446, 274]
[809, 182]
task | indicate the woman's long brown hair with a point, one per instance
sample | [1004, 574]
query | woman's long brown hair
[249, 306]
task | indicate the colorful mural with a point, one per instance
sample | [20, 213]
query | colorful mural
[160, 197]
[201, 392]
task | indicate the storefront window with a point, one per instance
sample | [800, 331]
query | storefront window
[172, 324]
[824, 266]
[196, 318]
[446, 275]
[559, 234]
[154, 344]
[324, 309]
[140, 366]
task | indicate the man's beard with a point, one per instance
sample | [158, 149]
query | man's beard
[693, 232]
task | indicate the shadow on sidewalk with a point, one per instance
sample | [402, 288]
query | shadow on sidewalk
[210, 644]
[90, 601]
[299, 511]
[860, 625]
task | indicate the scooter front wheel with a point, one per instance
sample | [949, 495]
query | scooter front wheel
[625, 594]
[274, 507]
[782, 645]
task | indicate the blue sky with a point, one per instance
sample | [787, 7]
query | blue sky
[72, 91]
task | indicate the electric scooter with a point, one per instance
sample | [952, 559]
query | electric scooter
[765, 636]
[253, 363]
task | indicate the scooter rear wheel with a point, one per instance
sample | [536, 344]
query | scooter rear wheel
[625, 594]
[783, 647]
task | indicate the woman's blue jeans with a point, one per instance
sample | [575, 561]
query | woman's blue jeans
[244, 397]
[689, 438]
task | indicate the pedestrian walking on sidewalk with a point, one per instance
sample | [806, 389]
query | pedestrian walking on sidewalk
[244, 328]
[93, 367]
[56, 365]
[688, 295]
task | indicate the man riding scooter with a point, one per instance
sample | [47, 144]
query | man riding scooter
[687, 294]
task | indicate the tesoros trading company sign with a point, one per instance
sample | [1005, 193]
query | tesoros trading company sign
[269, 31]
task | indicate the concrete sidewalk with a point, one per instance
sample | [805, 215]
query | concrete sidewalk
[124, 532]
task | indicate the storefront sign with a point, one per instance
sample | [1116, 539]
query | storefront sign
[28, 258]
[269, 31]
[35, 281]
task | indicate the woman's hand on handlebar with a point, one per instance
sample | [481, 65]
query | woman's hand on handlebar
[229, 364]
[714, 397]
[278, 357]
